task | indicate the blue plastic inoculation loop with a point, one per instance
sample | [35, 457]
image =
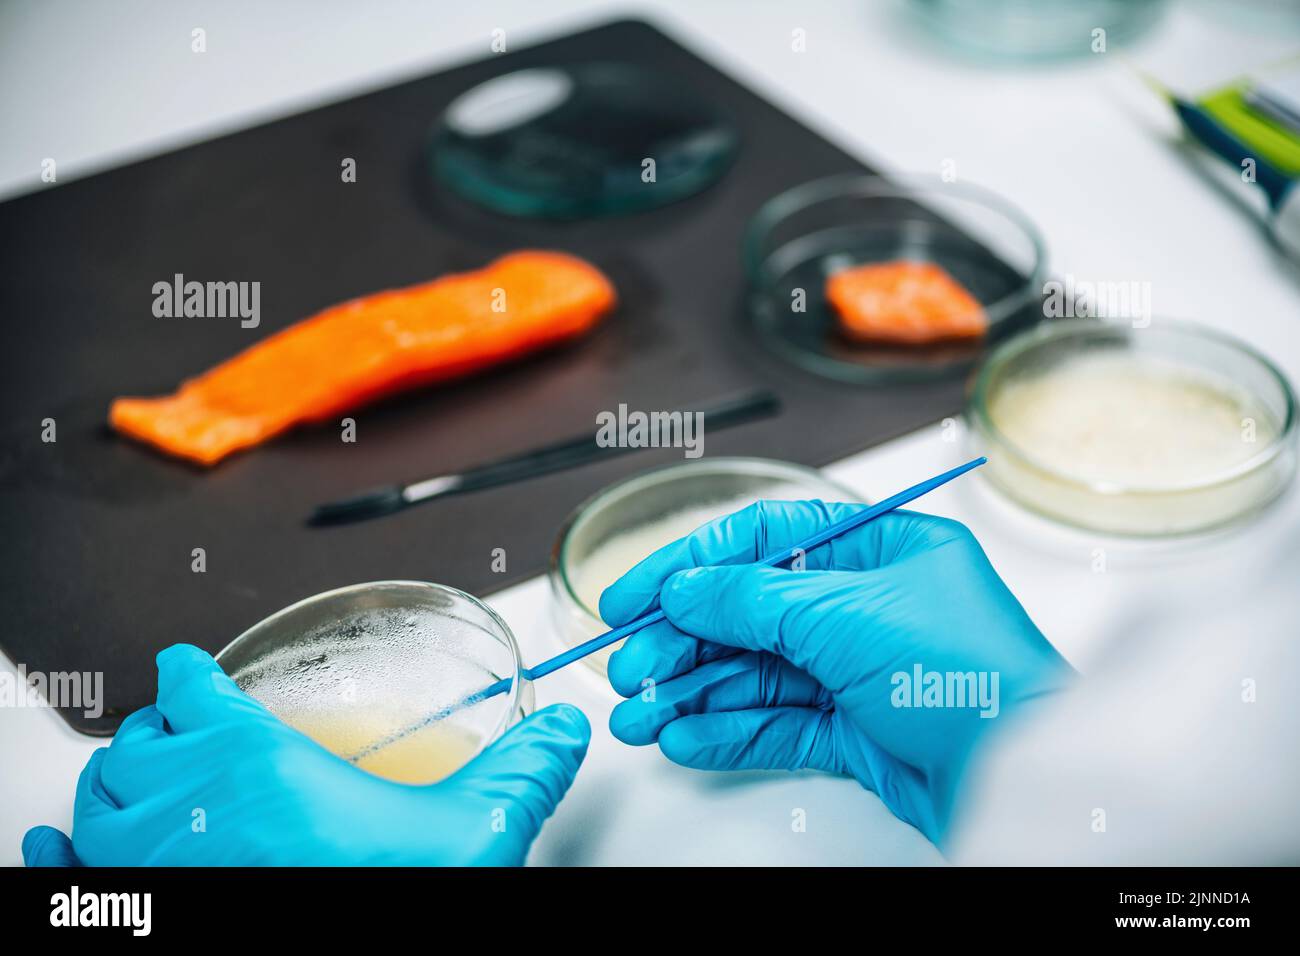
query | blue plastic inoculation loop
[619, 633]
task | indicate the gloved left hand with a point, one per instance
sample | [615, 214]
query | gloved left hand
[209, 776]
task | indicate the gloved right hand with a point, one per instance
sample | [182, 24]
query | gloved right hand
[761, 667]
[211, 777]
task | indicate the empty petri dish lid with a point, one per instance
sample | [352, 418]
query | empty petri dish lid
[581, 141]
[800, 238]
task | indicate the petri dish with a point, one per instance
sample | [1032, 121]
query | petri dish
[627, 521]
[1034, 30]
[367, 664]
[1146, 432]
[799, 238]
[580, 141]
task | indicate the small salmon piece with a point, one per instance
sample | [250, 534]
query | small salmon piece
[904, 303]
[362, 350]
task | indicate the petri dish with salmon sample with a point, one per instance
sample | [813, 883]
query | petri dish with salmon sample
[870, 280]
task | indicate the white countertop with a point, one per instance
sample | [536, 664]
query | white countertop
[1082, 148]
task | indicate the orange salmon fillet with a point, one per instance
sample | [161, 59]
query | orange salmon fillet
[906, 303]
[370, 347]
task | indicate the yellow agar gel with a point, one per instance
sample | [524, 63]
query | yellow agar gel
[611, 559]
[1131, 444]
[1130, 421]
[421, 757]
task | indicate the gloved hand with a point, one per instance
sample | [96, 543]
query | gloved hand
[210, 777]
[762, 667]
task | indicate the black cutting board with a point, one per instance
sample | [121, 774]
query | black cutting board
[98, 532]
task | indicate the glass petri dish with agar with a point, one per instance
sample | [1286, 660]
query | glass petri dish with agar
[800, 239]
[1147, 432]
[368, 664]
[618, 526]
[578, 141]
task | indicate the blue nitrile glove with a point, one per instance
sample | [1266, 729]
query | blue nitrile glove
[762, 667]
[210, 777]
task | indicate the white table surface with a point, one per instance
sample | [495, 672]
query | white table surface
[1081, 147]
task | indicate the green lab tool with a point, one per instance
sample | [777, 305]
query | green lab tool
[1227, 110]
[1210, 131]
[772, 560]
[1273, 142]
